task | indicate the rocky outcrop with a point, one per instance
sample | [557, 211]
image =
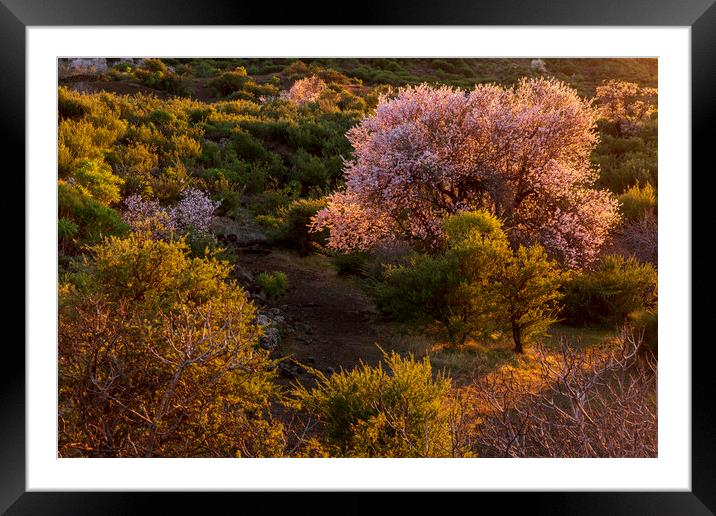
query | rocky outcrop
[271, 322]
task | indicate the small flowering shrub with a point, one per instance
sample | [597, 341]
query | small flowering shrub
[148, 216]
[305, 90]
[194, 211]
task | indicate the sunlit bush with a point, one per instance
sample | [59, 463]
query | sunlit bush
[637, 200]
[273, 284]
[608, 293]
[477, 285]
[163, 366]
[400, 411]
[93, 219]
[95, 178]
[290, 226]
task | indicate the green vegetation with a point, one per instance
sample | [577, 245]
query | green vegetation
[144, 330]
[637, 200]
[479, 285]
[371, 412]
[274, 284]
[606, 295]
[184, 182]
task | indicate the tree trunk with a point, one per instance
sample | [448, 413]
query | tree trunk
[517, 337]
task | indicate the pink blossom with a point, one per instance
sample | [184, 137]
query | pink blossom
[522, 152]
[148, 216]
[626, 104]
[305, 90]
[194, 211]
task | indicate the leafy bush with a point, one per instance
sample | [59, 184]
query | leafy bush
[93, 220]
[95, 178]
[229, 82]
[66, 230]
[609, 292]
[637, 200]
[71, 104]
[161, 117]
[646, 324]
[155, 74]
[625, 162]
[274, 284]
[290, 226]
[167, 366]
[477, 285]
[372, 412]
[350, 263]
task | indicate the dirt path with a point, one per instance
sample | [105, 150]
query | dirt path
[329, 321]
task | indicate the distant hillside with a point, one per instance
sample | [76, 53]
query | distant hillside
[583, 74]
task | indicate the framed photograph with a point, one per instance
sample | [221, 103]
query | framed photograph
[422, 249]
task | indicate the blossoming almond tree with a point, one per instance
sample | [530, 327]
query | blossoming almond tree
[523, 153]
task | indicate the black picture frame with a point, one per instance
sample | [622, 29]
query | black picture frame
[700, 15]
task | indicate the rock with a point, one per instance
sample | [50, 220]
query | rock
[69, 67]
[330, 370]
[242, 274]
[271, 337]
[286, 371]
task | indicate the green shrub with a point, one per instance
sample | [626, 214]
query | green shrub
[372, 412]
[308, 169]
[609, 292]
[155, 74]
[71, 104]
[350, 263]
[229, 82]
[201, 243]
[92, 219]
[274, 284]
[155, 65]
[66, 231]
[290, 226]
[161, 117]
[477, 285]
[95, 178]
[637, 200]
[646, 324]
